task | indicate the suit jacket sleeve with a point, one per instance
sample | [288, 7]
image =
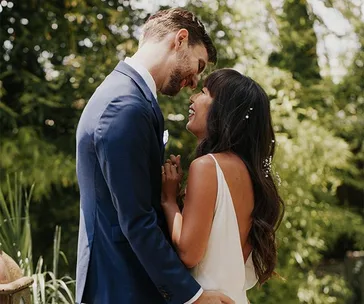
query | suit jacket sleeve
[123, 142]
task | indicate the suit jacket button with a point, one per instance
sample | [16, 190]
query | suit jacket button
[165, 294]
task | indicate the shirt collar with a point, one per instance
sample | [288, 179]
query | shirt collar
[144, 73]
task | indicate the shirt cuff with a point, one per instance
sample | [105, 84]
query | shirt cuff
[197, 295]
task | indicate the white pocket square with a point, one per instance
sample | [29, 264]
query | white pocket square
[165, 137]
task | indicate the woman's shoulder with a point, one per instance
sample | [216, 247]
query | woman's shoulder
[203, 162]
[232, 164]
[203, 165]
[202, 181]
[228, 162]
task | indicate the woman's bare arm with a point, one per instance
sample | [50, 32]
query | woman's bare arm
[190, 230]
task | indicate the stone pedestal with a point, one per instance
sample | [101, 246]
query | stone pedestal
[14, 287]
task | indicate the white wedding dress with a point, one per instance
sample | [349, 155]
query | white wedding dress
[223, 268]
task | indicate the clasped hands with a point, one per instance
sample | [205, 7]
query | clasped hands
[172, 174]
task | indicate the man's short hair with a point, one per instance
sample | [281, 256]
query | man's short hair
[170, 20]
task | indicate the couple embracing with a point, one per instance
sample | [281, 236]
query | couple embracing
[136, 246]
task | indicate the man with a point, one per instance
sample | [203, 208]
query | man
[123, 254]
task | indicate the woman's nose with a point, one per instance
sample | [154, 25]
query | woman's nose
[192, 99]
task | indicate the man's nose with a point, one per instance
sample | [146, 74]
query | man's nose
[195, 81]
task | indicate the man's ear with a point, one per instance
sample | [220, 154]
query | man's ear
[181, 39]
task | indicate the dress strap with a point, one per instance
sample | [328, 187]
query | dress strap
[219, 172]
[220, 181]
[214, 158]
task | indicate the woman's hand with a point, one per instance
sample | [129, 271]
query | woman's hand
[171, 178]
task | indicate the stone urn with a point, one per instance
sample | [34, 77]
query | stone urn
[14, 287]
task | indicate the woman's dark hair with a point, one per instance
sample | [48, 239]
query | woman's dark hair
[239, 121]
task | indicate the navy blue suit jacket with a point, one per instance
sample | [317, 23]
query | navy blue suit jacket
[123, 253]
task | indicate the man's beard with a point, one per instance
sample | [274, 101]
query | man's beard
[174, 84]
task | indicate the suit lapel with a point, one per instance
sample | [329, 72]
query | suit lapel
[127, 70]
[159, 115]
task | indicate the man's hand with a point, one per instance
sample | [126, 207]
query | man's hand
[213, 297]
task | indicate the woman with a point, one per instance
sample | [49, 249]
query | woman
[226, 232]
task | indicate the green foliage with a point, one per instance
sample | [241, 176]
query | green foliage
[348, 119]
[298, 40]
[45, 81]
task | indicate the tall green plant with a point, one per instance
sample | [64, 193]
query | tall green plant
[15, 233]
[16, 240]
[47, 287]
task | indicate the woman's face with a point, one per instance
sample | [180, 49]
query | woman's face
[198, 111]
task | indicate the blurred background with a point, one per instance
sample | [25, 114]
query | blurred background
[307, 55]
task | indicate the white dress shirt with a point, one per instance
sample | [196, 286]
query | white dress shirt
[144, 73]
